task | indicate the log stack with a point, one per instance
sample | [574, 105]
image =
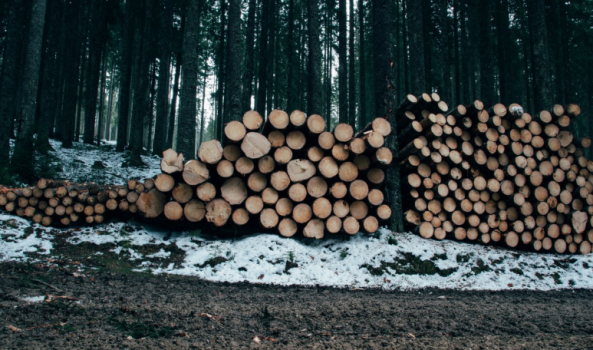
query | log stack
[288, 174]
[497, 176]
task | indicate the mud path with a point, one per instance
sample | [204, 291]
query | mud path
[117, 311]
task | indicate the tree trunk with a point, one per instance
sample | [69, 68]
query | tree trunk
[263, 59]
[186, 135]
[314, 85]
[361, 68]
[342, 64]
[162, 98]
[233, 84]
[171, 128]
[540, 60]
[249, 50]
[271, 59]
[351, 70]
[125, 71]
[416, 41]
[486, 44]
[384, 100]
[221, 72]
[102, 100]
[22, 158]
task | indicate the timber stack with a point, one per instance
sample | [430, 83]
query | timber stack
[289, 175]
[497, 176]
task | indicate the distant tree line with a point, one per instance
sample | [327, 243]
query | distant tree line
[154, 74]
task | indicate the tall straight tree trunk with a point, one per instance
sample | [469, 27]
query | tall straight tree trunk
[202, 121]
[10, 72]
[186, 131]
[385, 100]
[125, 84]
[362, 118]
[504, 45]
[172, 113]
[102, 100]
[232, 109]
[271, 63]
[487, 88]
[290, 88]
[428, 42]
[342, 64]
[162, 98]
[458, 83]
[149, 122]
[248, 62]
[140, 109]
[221, 70]
[71, 82]
[329, 40]
[263, 58]
[107, 131]
[351, 69]
[415, 33]
[94, 71]
[314, 85]
[22, 158]
[540, 59]
[405, 49]
[63, 47]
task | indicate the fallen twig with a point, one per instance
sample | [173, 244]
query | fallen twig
[47, 285]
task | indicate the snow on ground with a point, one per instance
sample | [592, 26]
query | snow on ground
[384, 260]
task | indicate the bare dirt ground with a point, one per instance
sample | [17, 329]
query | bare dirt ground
[126, 310]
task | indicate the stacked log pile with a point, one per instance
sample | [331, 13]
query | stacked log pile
[496, 175]
[292, 176]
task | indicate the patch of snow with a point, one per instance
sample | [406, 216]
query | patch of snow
[160, 254]
[16, 238]
[37, 299]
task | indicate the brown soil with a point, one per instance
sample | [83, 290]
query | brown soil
[122, 310]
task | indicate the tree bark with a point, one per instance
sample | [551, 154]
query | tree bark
[314, 86]
[125, 70]
[487, 88]
[540, 60]
[248, 62]
[361, 68]
[416, 42]
[342, 64]
[233, 84]
[351, 69]
[162, 98]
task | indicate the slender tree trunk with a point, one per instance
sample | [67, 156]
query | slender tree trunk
[186, 131]
[290, 89]
[63, 47]
[487, 88]
[140, 109]
[233, 108]
[385, 100]
[263, 58]
[202, 121]
[271, 62]
[149, 122]
[94, 70]
[458, 83]
[221, 70]
[125, 85]
[248, 62]
[504, 45]
[162, 98]
[314, 86]
[405, 51]
[22, 158]
[428, 42]
[415, 32]
[342, 64]
[329, 40]
[541, 63]
[10, 72]
[107, 131]
[351, 69]
[171, 128]
[362, 118]
[101, 100]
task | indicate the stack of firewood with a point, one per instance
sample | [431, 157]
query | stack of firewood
[292, 176]
[496, 176]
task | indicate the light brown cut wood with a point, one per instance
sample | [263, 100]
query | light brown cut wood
[254, 204]
[231, 152]
[210, 152]
[385, 156]
[173, 211]
[280, 180]
[370, 224]
[171, 162]
[234, 191]
[382, 126]
[235, 131]
[317, 187]
[218, 212]
[301, 170]
[284, 207]
[297, 192]
[257, 182]
[384, 212]
[278, 119]
[340, 151]
[351, 225]
[344, 132]
[560, 246]
[182, 193]
[315, 154]
[194, 210]
[270, 196]
[298, 118]
[268, 218]
[194, 173]
[357, 146]
[163, 183]
[322, 208]
[316, 124]
[338, 190]
[150, 204]
[287, 227]
[254, 145]
[240, 216]
[376, 176]
[296, 140]
[252, 120]
[206, 191]
[225, 169]
[348, 172]
[375, 139]
[359, 189]
[245, 165]
[283, 155]
[302, 213]
[328, 167]
[276, 139]
[359, 210]
[333, 224]
[376, 197]
[579, 221]
[314, 229]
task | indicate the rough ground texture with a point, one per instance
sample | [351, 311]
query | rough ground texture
[127, 310]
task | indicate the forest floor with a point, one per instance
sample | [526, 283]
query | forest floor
[130, 284]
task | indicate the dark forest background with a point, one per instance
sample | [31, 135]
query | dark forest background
[154, 74]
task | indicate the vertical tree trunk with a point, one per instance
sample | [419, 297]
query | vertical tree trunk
[456, 19]
[385, 100]
[162, 98]
[125, 71]
[101, 100]
[342, 64]
[271, 62]
[540, 60]
[249, 49]
[221, 70]
[107, 131]
[96, 31]
[149, 122]
[233, 84]
[22, 158]
[186, 131]
[263, 58]
[10, 72]
[329, 41]
[504, 45]
[202, 121]
[361, 67]
[351, 70]
[487, 88]
[171, 128]
[415, 32]
[314, 85]
[428, 42]
[140, 109]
